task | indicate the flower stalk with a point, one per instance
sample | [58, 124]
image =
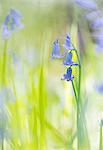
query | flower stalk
[82, 135]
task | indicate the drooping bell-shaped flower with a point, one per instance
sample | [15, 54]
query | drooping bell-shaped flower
[68, 44]
[68, 61]
[12, 23]
[68, 76]
[15, 13]
[16, 20]
[56, 50]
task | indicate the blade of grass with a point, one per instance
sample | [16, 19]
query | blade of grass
[35, 121]
[100, 138]
[41, 109]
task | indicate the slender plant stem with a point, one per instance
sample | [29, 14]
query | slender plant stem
[79, 83]
[76, 98]
[80, 113]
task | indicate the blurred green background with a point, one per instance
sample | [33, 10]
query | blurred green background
[38, 109]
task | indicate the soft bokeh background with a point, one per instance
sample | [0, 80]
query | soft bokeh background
[37, 109]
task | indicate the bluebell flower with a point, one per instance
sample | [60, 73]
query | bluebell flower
[12, 23]
[93, 15]
[99, 88]
[68, 44]
[98, 36]
[16, 20]
[99, 48]
[6, 33]
[56, 50]
[15, 13]
[87, 4]
[68, 76]
[98, 23]
[68, 61]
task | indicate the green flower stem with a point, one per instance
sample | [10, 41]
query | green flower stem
[81, 122]
[76, 98]
[79, 82]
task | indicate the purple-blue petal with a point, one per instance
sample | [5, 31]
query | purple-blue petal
[12, 23]
[68, 76]
[87, 4]
[93, 15]
[56, 50]
[15, 13]
[68, 61]
[6, 33]
[99, 41]
[68, 44]
[99, 88]
[67, 41]
[97, 23]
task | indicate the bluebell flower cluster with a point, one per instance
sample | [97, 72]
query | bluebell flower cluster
[99, 88]
[12, 23]
[67, 58]
[95, 19]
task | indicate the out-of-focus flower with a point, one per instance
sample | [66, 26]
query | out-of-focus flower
[99, 88]
[16, 13]
[99, 41]
[6, 31]
[93, 15]
[16, 20]
[96, 26]
[98, 23]
[12, 23]
[95, 21]
[87, 4]
[98, 35]
[99, 48]
[68, 44]
[68, 76]
[56, 50]
[68, 61]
